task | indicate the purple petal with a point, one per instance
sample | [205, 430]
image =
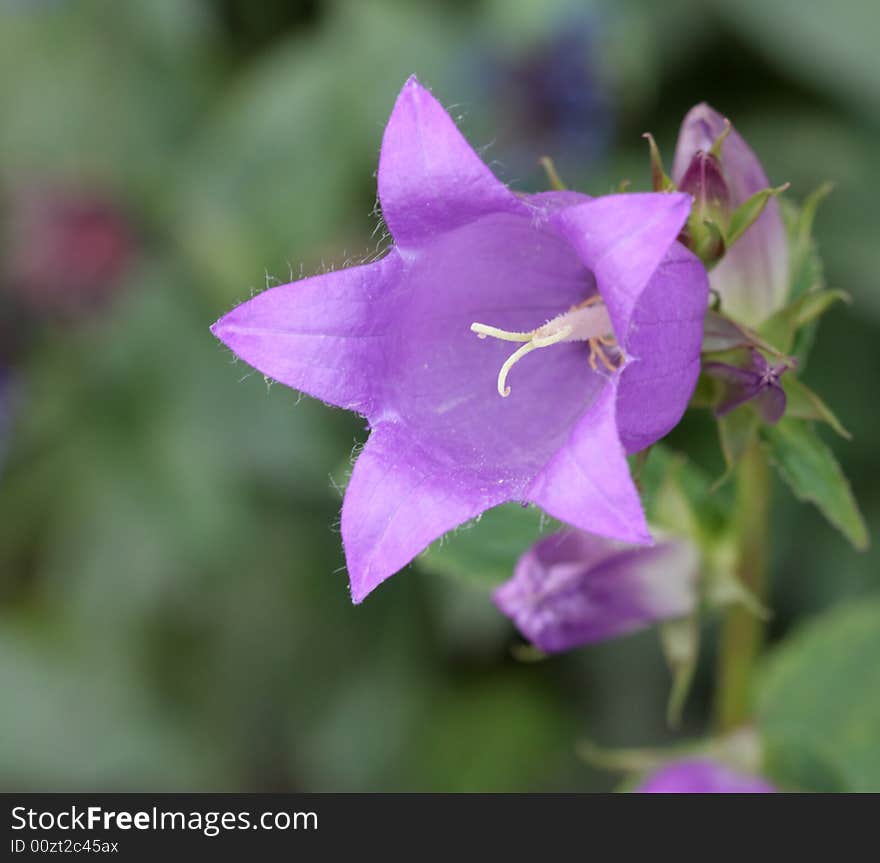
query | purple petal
[702, 776]
[399, 500]
[320, 335]
[663, 349]
[430, 178]
[587, 483]
[752, 278]
[515, 273]
[771, 403]
[742, 385]
[622, 239]
[704, 180]
[573, 588]
[759, 382]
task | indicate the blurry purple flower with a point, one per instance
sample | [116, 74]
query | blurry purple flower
[395, 341]
[573, 588]
[65, 248]
[759, 382]
[551, 99]
[752, 278]
[702, 776]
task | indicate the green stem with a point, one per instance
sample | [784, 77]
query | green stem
[743, 632]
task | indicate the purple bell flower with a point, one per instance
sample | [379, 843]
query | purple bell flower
[573, 588]
[752, 277]
[702, 776]
[419, 342]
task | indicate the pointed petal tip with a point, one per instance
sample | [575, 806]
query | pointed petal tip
[703, 111]
[217, 329]
[223, 328]
[362, 580]
[412, 88]
[358, 595]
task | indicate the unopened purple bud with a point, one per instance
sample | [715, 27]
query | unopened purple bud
[573, 588]
[705, 181]
[757, 382]
[702, 776]
[752, 277]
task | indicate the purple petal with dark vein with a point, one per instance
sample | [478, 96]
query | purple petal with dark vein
[663, 350]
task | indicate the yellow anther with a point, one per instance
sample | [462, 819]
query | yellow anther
[596, 352]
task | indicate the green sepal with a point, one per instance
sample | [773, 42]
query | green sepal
[659, 178]
[705, 239]
[801, 232]
[528, 653]
[680, 640]
[721, 334]
[715, 149]
[722, 585]
[744, 216]
[553, 177]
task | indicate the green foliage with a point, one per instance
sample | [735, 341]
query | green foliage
[803, 403]
[819, 701]
[809, 468]
[830, 47]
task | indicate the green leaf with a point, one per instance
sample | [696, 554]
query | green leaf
[828, 46]
[804, 235]
[813, 474]
[485, 551]
[803, 403]
[820, 693]
[796, 766]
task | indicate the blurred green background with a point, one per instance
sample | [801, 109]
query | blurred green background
[174, 611]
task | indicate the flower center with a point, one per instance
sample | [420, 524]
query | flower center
[586, 322]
